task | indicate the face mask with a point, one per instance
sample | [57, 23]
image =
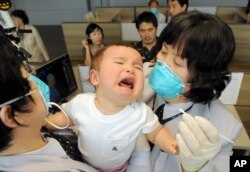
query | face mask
[154, 10]
[45, 93]
[165, 82]
[50, 104]
[44, 88]
[46, 105]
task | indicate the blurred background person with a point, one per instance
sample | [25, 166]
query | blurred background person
[153, 6]
[31, 42]
[146, 24]
[175, 7]
[93, 43]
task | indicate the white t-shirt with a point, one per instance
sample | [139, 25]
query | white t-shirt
[107, 141]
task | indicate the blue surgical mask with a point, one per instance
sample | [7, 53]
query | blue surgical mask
[45, 94]
[154, 10]
[50, 104]
[165, 82]
[44, 88]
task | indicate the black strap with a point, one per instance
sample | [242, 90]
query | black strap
[68, 143]
[159, 113]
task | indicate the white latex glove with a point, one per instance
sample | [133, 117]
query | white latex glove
[147, 68]
[198, 142]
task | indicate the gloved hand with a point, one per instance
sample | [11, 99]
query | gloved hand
[198, 142]
[147, 68]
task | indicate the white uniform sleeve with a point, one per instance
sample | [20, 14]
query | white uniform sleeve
[148, 93]
[151, 122]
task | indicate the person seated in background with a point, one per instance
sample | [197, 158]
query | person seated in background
[22, 114]
[146, 24]
[110, 120]
[153, 6]
[175, 7]
[31, 42]
[93, 43]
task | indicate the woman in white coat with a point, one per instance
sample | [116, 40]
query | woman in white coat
[190, 73]
[31, 42]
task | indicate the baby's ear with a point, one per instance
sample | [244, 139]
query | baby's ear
[93, 77]
[6, 117]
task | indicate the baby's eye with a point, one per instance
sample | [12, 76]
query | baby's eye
[164, 53]
[118, 62]
[138, 67]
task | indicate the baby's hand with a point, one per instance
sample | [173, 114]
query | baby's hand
[175, 148]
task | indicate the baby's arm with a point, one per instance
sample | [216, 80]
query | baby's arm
[58, 119]
[162, 138]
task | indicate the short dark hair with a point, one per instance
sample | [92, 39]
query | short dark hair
[21, 14]
[147, 17]
[181, 2]
[13, 85]
[149, 3]
[92, 27]
[208, 45]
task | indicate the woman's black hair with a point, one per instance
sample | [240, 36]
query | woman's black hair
[21, 14]
[208, 45]
[13, 85]
[91, 28]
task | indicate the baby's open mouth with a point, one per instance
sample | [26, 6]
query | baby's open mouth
[129, 83]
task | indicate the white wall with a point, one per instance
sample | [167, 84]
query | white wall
[54, 12]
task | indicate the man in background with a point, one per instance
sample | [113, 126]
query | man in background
[146, 24]
[175, 7]
[153, 6]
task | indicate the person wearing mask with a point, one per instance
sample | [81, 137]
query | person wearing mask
[93, 43]
[31, 42]
[22, 114]
[146, 24]
[175, 7]
[153, 6]
[190, 73]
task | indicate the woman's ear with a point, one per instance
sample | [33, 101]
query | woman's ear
[185, 7]
[6, 117]
[93, 77]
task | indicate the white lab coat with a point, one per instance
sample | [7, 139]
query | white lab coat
[219, 116]
[33, 44]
